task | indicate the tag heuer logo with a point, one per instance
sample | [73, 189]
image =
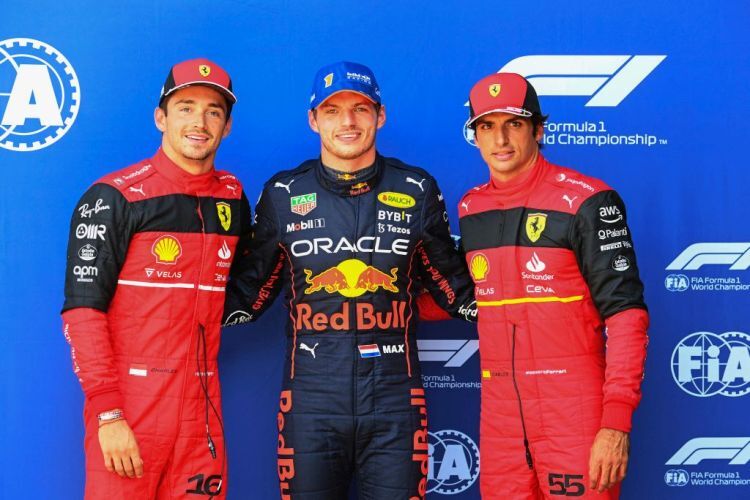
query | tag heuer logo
[303, 204]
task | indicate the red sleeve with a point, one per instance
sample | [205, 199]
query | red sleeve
[626, 356]
[87, 333]
[429, 310]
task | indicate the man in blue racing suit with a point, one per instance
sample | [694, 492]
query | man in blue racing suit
[351, 237]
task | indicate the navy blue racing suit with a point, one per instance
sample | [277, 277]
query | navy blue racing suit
[351, 252]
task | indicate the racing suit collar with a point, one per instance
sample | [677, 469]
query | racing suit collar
[522, 184]
[187, 182]
[362, 183]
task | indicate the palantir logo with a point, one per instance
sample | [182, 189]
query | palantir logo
[39, 94]
[607, 78]
[454, 462]
[705, 364]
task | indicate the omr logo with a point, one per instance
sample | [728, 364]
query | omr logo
[705, 364]
[39, 94]
[609, 79]
[454, 462]
[697, 255]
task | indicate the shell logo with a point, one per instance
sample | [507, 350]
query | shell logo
[166, 249]
[479, 267]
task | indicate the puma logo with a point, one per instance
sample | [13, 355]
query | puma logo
[282, 185]
[465, 204]
[305, 347]
[414, 181]
[569, 200]
[138, 189]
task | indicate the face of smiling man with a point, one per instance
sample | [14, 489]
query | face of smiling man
[508, 143]
[347, 123]
[193, 126]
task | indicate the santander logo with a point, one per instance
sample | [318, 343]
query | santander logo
[535, 264]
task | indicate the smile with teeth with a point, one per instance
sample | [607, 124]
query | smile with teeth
[197, 138]
[348, 136]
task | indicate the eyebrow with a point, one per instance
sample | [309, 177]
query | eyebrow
[192, 101]
[330, 105]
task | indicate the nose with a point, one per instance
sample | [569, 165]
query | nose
[347, 117]
[501, 136]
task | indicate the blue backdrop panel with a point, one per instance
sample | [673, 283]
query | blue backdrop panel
[649, 96]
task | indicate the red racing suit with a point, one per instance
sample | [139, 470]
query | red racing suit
[552, 259]
[148, 256]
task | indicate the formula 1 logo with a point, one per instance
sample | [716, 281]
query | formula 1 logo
[608, 79]
[734, 449]
[735, 255]
[705, 364]
[39, 94]
[454, 352]
[454, 462]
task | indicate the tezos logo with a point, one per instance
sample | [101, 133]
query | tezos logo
[454, 462]
[39, 94]
[705, 364]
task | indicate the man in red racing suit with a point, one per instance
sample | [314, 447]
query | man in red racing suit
[552, 259]
[149, 253]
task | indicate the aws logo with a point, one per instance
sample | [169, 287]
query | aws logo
[351, 278]
[43, 101]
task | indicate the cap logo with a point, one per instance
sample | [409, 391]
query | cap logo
[204, 70]
[495, 89]
[328, 79]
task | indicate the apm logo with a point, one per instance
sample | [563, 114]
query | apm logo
[697, 255]
[39, 94]
[705, 364]
[734, 449]
[454, 352]
[454, 462]
[608, 79]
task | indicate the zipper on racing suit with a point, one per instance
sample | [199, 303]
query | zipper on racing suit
[529, 460]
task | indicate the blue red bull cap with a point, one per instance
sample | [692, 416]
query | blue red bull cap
[344, 76]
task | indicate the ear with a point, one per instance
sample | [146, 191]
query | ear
[227, 128]
[539, 132]
[312, 121]
[160, 119]
[381, 116]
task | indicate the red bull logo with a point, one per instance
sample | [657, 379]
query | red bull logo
[351, 278]
[362, 316]
[285, 461]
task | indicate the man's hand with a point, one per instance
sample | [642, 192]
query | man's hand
[120, 449]
[609, 459]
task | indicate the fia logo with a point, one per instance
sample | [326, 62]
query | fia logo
[43, 99]
[454, 462]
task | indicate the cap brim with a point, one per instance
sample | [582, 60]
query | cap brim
[229, 95]
[510, 110]
[346, 90]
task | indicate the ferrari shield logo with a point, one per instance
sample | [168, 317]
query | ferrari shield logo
[535, 224]
[204, 70]
[495, 89]
[225, 214]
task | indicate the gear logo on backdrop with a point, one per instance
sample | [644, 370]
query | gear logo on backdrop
[39, 95]
[454, 462]
[705, 364]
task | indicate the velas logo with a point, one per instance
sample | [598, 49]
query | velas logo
[397, 200]
[42, 102]
[351, 278]
[608, 79]
[453, 464]
[225, 214]
[479, 267]
[166, 249]
[535, 224]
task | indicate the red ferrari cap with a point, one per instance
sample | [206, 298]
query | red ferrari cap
[198, 72]
[502, 93]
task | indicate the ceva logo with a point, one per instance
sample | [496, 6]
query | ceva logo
[609, 79]
[39, 94]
